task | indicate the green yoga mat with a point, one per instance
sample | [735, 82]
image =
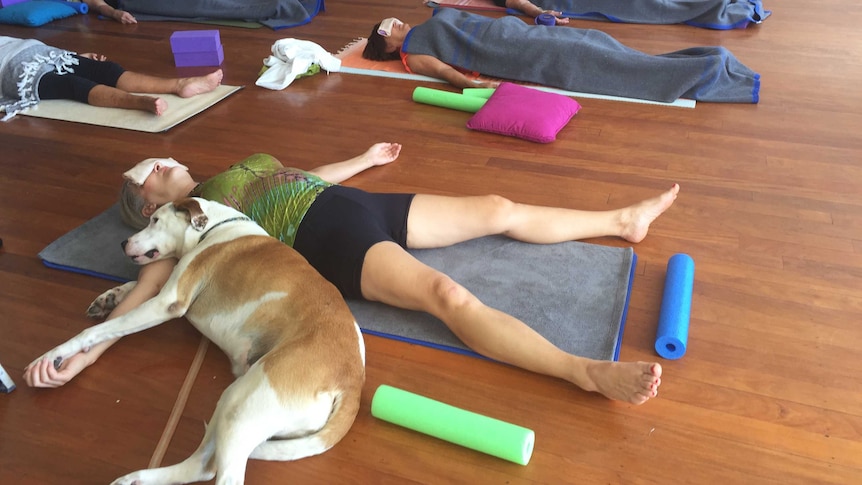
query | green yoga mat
[574, 294]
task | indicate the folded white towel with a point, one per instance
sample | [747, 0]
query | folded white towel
[292, 57]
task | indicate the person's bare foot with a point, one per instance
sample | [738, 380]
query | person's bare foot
[160, 106]
[154, 105]
[192, 86]
[632, 382]
[635, 219]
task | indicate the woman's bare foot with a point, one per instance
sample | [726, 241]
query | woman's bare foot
[192, 86]
[632, 382]
[154, 105]
[160, 106]
[635, 219]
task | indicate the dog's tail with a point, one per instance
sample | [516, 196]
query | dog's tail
[344, 410]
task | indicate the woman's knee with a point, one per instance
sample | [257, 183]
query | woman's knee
[449, 296]
[498, 211]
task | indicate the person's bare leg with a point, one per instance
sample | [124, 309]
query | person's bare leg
[391, 275]
[185, 87]
[106, 96]
[438, 221]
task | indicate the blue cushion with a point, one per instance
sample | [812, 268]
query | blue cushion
[35, 12]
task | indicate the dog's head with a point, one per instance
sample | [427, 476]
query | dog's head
[174, 229]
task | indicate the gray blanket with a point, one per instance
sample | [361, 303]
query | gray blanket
[580, 60]
[276, 14]
[709, 14]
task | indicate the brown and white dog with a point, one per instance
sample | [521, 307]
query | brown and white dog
[295, 348]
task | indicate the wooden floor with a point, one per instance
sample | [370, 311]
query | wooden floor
[768, 392]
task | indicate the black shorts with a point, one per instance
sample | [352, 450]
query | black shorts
[342, 225]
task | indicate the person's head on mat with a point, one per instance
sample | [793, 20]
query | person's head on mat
[384, 42]
[151, 184]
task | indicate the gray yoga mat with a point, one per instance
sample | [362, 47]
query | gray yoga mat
[574, 294]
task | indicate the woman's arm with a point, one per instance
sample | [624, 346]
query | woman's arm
[431, 66]
[151, 278]
[379, 154]
[533, 10]
[105, 10]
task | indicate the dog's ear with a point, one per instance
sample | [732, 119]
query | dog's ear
[196, 215]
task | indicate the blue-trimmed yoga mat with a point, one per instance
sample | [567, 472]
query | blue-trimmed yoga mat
[574, 294]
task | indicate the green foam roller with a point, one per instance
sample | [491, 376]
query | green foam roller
[478, 92]
[446, 99]
[455, 425]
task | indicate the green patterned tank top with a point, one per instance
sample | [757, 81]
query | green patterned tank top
[275, 197]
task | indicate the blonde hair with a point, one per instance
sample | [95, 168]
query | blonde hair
[132, 204]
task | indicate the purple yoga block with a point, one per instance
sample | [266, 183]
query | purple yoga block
[183, 41]
[205, 58]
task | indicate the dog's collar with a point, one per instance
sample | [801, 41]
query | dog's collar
[232, 219]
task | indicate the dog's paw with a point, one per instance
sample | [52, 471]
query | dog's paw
[105, 303]
[127, 480]
[153, 476]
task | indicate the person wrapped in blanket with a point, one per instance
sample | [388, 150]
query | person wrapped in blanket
[31, 71]
[708, 14]
[581, 60]
[358, 240]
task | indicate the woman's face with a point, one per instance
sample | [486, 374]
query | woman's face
[393, 31]
[165, 183]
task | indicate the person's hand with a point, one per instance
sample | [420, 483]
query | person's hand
[559, 16]
[383, 153]
[124, 17]
[94, 56]
[488, 84]
[42, 373]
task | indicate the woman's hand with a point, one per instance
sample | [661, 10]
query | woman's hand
[124, 17]
[487, 84]
[93, 56]
[43, 373]
[382, 153]
[559, 16]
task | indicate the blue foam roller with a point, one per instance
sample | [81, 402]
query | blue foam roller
[672, 336]
[79, 7]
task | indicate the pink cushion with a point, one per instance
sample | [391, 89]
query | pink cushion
[524, 112]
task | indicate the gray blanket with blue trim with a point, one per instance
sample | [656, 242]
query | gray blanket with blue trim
[580, 60]
[710, 14]
[276, 14]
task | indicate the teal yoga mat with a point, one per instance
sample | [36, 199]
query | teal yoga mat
[574, 294]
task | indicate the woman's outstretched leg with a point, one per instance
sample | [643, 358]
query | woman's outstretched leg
[186, 87]
[438, 221]
[108, 97]
[392, 276]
